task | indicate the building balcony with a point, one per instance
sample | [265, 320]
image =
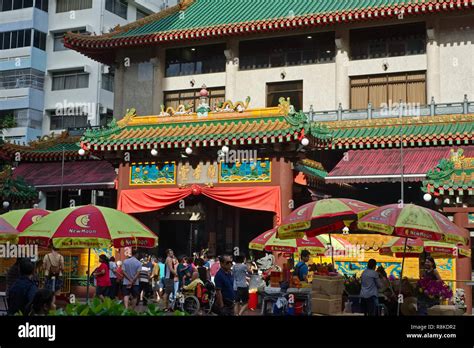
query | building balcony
[394, 110]
[21, 98]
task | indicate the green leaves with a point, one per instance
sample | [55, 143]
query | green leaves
[106, 307]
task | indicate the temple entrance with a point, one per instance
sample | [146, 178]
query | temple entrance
[184, 237]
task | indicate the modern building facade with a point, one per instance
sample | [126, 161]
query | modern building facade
[23, 31]
[46, 87]
[391, 82]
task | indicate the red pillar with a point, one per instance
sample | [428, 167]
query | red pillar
[463, 265]
[285, 180]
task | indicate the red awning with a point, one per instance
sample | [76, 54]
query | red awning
[384, 165]
[77, 175]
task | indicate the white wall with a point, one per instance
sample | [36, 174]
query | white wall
[456, 49]
[98, 21]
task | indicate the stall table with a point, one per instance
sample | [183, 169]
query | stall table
[271, 295]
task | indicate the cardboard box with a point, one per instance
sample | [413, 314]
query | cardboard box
[316, 294]
[328, 285]
[326, 306]
[445, 310]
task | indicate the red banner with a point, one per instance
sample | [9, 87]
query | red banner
[267, 198]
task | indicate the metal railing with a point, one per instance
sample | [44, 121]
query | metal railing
[396, 110]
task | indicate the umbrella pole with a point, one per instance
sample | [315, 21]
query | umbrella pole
[88, 275]
[332, 253]
[401, 277]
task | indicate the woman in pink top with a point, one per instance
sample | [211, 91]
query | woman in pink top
[102, 277]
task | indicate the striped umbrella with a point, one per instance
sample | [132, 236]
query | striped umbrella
[8, 233]
[323, 216]
[412, 221]
[415, 247]
[89, 226]
[317, 246]
[23, 218]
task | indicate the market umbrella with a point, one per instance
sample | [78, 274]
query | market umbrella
[269, 241]
[8, 233]
[415, 247]
[89, 227]
[411, 221]
[323, 216]
[23, 218]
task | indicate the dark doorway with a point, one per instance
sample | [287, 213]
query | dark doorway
[184, 237]
[252, 224]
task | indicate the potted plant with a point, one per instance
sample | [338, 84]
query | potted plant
[352, 287]
[431, 292]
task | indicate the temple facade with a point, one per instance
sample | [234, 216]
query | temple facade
[336, 99]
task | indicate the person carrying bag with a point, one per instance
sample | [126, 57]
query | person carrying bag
[53, 270]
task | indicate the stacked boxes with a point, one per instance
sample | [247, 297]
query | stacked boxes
[327, 294]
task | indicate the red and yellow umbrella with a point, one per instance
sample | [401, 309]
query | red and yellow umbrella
[412, 221]
[323, 216]
[89, 226]
[23, 218]
[317, 246]
[415, 247]
[8, 233]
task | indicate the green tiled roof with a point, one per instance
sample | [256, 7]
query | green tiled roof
[437, 130]
[320, 174]
[202, 19]
[210, 13]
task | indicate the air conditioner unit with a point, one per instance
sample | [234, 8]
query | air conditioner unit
[102, 109]
[87, 69]
[105, 69]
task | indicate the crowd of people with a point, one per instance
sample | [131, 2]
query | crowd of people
[140, 278]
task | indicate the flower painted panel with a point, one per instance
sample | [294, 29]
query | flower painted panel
[246, 171]
[153, 173]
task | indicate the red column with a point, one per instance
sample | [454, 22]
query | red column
[463, 265]
[285, 178]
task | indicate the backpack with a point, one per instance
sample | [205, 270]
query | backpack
[53, 269]
[296, 271]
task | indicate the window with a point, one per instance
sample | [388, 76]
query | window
[72, 5]
[287, 51]
[190, 98]
[58, 39]
[9, 5]
[39, 40]
[106, 118]
[195, 60]
[21, 78]
[390, 41]
[72, 79]
[119, 7]
[67, 121]
[141, 14]
[290, 89]
[15, 39]
[388, 88]
[42, 5]
[108, 82]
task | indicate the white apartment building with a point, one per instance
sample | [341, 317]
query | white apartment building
[78, 90]
[41, 81]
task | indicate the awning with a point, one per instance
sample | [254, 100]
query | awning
[384, 165]
[77, 175]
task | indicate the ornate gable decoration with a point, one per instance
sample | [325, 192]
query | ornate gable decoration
[453, 176]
